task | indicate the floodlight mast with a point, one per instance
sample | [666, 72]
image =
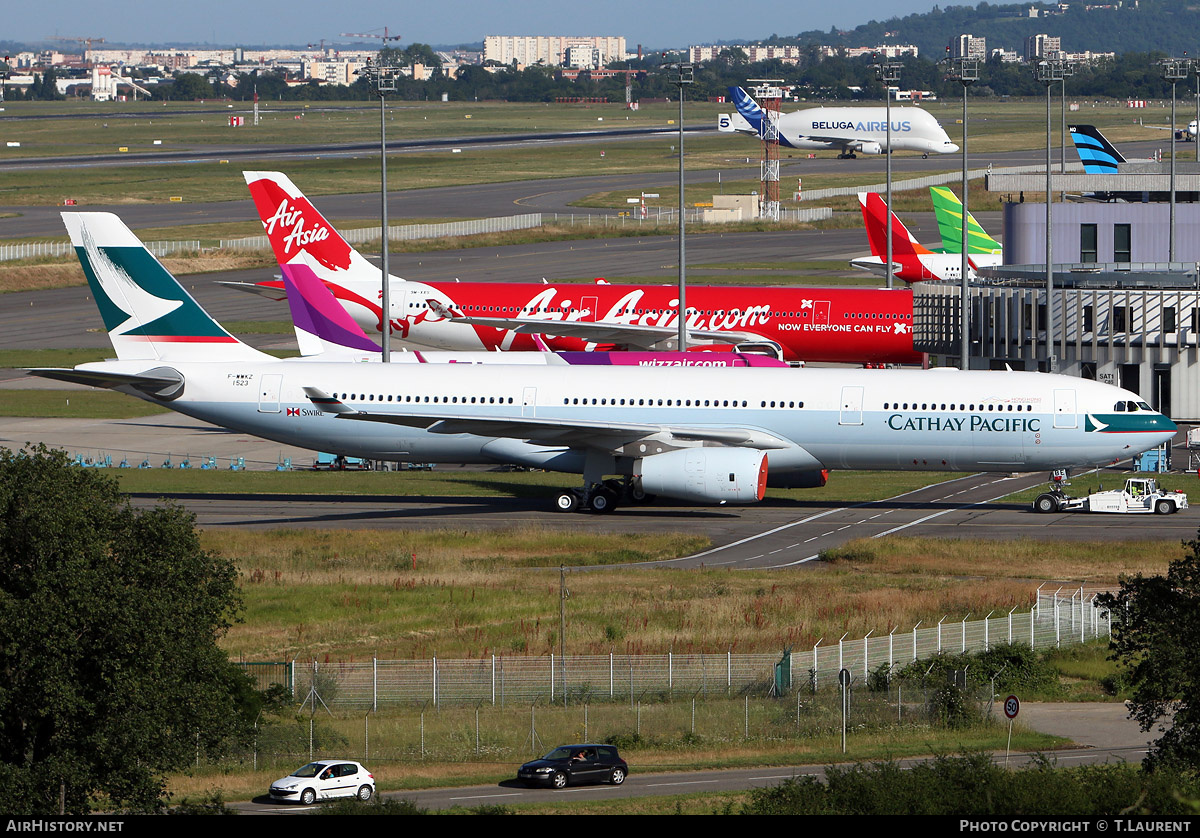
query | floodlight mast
[382, 78]
[1049, 71]
[965, 71]
[1173, 70]
[682, 76]
[889, 73]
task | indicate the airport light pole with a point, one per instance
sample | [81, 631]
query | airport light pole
[966, 71]
[1195, 66]
[888, 72]
[682, 76]
[1173, 70]
[1048, 71]
[382, 78]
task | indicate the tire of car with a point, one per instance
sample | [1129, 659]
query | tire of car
[308, 797]
[365, 793]
[1164, 507]
[559, 780]
[617, 777]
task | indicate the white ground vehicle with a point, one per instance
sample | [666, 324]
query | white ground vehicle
[324, 779]
[1141, 494]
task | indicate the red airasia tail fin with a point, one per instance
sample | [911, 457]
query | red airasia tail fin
[875, 210]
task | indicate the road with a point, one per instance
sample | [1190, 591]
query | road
[1103, 731]
[495, 199]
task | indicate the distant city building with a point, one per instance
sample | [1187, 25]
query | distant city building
[331, 72]
[968, 46]
[883, 51]
[1007, 56]
[1038, 47]
[550, 50]
[754, 53]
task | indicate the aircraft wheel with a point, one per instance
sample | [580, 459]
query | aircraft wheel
[603, 501]
[566, 502]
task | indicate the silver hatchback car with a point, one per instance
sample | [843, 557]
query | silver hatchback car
[323, 780]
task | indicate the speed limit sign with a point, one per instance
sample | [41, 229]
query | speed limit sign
[1012, 706]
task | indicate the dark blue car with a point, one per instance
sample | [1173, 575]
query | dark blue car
[569, 764]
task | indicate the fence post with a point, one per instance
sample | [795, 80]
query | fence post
[374, 683]
[493, 680]
[915, 639]
[435, 681]
[866, 666]
[964, 633]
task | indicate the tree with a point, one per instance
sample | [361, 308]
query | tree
[110, 673]
[1156, 630]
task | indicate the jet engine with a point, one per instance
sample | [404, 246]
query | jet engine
[868, 148]
[705, 475]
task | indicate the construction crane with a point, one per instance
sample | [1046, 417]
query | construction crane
[87, 43]
[384, 38]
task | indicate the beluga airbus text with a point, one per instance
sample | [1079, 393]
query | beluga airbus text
[707, 435]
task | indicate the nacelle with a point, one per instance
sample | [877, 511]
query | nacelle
[868, 148]
[705, 475]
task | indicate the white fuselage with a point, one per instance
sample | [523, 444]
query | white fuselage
[865, 130]
[805, 419]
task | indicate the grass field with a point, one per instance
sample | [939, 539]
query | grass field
[354, 595]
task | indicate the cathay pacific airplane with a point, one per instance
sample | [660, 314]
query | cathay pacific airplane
[708, 435]
[851, 131]
[846, 325]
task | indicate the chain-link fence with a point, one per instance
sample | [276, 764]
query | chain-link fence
[1056, 618]
[34, 250]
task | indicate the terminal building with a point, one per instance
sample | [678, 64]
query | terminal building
[1118, 311]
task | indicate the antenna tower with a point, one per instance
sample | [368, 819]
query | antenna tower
[770, 96]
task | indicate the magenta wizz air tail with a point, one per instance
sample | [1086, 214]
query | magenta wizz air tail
[698, 434]
[850, 130]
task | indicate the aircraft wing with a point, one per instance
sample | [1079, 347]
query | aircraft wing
[623, 334]
[578, 433]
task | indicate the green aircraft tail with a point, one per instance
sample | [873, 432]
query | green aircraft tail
[949, 212]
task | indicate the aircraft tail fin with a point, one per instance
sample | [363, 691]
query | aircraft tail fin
[148, 314]
[748, 108]
[875, 212]
[949, 212]
[294, 226]
[1097, 154]
[323, 327]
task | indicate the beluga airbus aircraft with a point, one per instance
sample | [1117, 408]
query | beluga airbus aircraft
[700, 434]
[849, 130]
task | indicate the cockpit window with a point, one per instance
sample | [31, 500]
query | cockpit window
[1145, 406]
[1119, 407]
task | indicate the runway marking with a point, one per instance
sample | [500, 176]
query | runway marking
[810, 519]
[483, 796]
[690, 783]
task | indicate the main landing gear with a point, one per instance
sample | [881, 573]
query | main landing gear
[601, 497]
[847, 155]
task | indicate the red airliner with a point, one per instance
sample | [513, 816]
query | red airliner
[809, 324]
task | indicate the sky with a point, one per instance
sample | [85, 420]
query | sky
[652, 23]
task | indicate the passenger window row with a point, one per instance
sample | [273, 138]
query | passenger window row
[969, 408]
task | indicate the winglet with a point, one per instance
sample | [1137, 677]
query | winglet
[326, 403]
[442, 310]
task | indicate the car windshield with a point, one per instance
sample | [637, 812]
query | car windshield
[559, 753]
[310, 770]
